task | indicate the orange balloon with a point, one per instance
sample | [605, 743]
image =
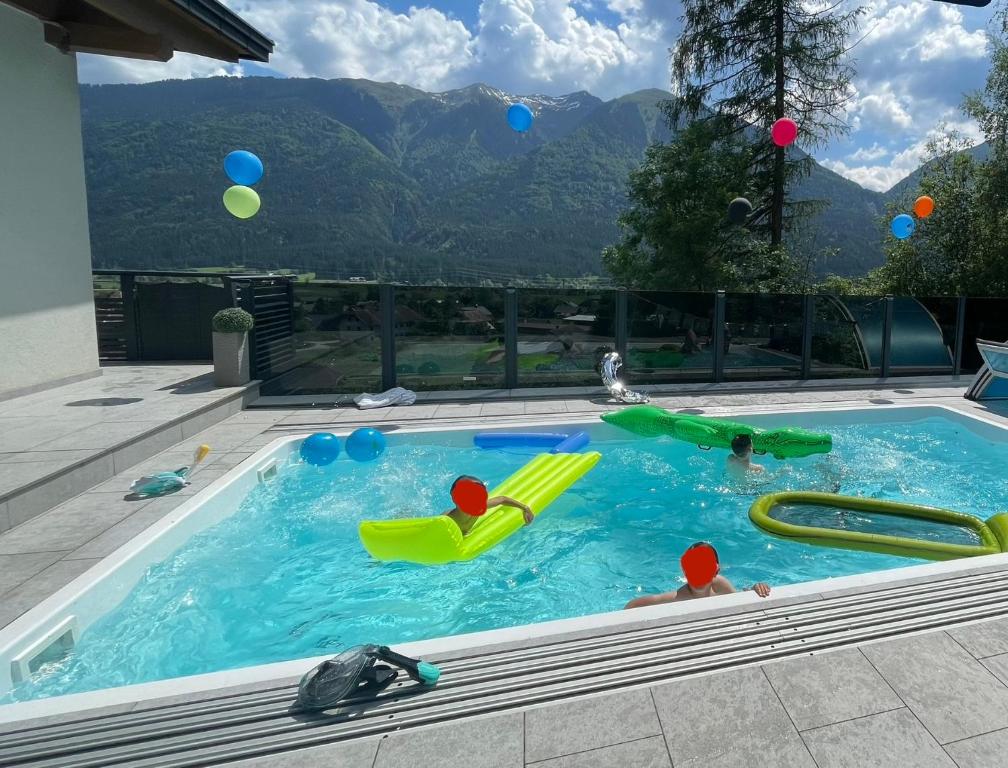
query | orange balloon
[924, 206]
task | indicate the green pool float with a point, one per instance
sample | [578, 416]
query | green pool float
[991, 534]
[781, 443]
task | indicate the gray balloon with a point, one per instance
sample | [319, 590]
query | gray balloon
[738, 210]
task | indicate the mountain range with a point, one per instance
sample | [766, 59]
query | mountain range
[380, 179]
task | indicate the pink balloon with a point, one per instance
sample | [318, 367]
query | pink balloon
[784, 132]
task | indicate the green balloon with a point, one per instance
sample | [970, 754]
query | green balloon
[242, 202]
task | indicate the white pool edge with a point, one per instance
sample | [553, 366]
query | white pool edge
[19, 633]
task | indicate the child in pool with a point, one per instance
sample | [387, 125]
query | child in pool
[470, 497]
[740, 459]
[702, 569]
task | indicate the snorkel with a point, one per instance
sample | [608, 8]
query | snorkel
[198, 456]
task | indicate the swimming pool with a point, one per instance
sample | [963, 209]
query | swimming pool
[285, 577]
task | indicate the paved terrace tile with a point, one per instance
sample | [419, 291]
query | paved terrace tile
[732, 719]
[952, 694]
[56, 443]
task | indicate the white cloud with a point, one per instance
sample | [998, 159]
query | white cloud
[625, 7]
[881, 108]
[359, 38]
[182, 66]
[950, 40]
[523, 46]
[874, 152]
[545, 45]
[903, 163]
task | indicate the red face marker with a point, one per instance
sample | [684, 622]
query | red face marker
[700, 566]
[470, 496]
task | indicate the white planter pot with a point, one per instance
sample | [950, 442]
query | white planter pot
[230, 359]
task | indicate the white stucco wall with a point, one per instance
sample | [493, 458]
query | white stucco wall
[47, 325]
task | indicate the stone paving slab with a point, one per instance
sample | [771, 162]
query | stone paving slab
[884, 740]
[599, 721]
[986, 751]
[58, 443]
[643, 753]
[989, 638]
[27, 595]
[487, 742]
[730, 719]
[830, 687]
[949, 691]
[17, 569]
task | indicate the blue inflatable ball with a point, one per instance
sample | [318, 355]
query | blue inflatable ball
[320, 449]
[243, 167]
[365, 444]
[903, 226]
[519, 117]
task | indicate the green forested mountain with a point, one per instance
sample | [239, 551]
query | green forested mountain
[906, 188]
[367, 178]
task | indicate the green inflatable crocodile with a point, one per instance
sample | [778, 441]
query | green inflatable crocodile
[781, 443]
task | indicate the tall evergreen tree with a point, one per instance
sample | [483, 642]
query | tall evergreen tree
[755, 61]
[675, 234]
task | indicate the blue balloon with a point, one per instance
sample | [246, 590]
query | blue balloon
[520, 117]
[243, 167]
[365, 444]
[903, 226]
[320, 449]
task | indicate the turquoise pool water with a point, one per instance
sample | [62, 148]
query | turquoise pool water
[285, 577]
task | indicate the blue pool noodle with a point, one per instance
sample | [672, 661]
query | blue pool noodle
[517, 439]
[572, 444]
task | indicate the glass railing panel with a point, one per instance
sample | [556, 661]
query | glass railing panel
[846, 336]
[985, 319]
[562, 335]
[923, 336]
[449, 338]
[337, 341]
[763, 336]
[668, 337]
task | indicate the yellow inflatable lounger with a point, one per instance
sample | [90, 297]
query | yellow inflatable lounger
[992, 534]
[436, 540]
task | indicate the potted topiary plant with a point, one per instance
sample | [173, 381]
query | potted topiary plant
[231, 347]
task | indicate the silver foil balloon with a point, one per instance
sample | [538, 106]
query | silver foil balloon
[611, 364]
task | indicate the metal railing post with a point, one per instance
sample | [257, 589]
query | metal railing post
[127, 284]
[387, 316]
[621, 322]
[718, 336]
[229, 286]
[960, 334]
[887, 324]
[510, 338]
[808, 326]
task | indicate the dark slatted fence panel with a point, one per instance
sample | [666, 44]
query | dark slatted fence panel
[270, 300]
[111, 323]
[175, 319]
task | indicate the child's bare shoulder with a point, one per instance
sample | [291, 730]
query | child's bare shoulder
[722, 585]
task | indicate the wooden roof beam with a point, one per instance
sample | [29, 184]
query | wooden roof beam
[71, 36]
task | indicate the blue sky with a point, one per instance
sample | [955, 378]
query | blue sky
[916, 60]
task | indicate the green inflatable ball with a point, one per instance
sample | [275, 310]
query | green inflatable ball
[242, 202]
